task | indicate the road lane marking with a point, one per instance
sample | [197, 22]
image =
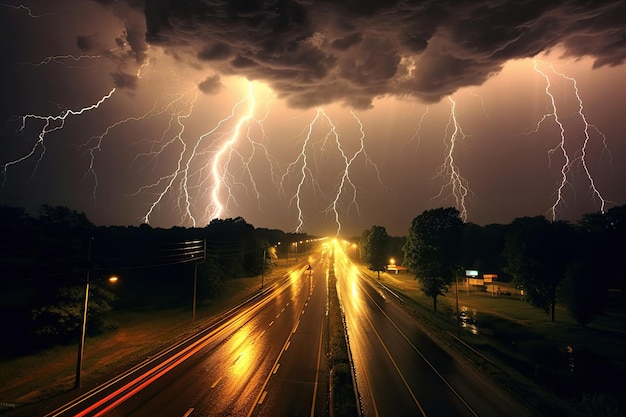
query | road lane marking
[188, 413]
[317, 370]
[261, 396]
[395, 365]
[225, 321]
[276, 369]
[217, 381]
[444, 380]
[271, 323]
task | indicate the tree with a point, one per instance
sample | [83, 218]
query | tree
[606, 237]
[432, 249]
[59, 321]
[482, 247]
[585, 291]
[538, 252]
[376, 248]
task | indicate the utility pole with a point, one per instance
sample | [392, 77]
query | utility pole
[458, 318]
[263, 270]
[81, 341]
[195, 280]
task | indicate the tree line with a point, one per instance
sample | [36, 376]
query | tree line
[574, 263]
[45, 262]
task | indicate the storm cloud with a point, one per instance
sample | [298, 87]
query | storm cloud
[316, 52]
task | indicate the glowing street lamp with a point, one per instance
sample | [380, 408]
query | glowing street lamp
[81, 343]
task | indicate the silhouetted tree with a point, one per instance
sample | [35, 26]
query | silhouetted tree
[585, 291]
[538, 252]
[432, 249]
[376, 247]
[60, 320]
[607, 239]
[482, 248]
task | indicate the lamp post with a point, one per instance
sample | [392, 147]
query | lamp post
[458, 319]
[263, 270]
[81, 341]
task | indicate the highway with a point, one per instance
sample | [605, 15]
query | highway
[401, 371]
[264, 358]
[267, 357]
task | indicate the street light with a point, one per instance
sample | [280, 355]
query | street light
[458, 318]
[81, 342]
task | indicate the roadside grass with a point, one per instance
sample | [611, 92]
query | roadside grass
[136, 335]
[526, 353]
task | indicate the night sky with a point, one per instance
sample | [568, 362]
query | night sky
[326, 117]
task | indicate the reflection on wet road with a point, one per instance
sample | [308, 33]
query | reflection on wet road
[245, 364]
[401, 371]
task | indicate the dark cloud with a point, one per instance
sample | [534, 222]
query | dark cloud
[123, 80]
[219, 51]
[211, 85]
[347, 41]
[89, 43]
[426, 49]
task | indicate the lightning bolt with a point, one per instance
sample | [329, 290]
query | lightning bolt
[416, 136]
[21, 7]
[214, 180]
[169, 179]
[345, 176]
[561, 146]
[345, 183]
[51, 124]
[219, 173]
[456, 182]
[63, 60]
[170, 106]
[207, 170]
[304, 170]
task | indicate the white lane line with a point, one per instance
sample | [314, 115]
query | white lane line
[217, 381]
[188, 413]
[419, 352]
[317, 369]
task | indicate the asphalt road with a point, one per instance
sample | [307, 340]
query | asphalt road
[401, 371]
[265, 358]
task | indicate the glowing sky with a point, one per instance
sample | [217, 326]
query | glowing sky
[324, 117]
